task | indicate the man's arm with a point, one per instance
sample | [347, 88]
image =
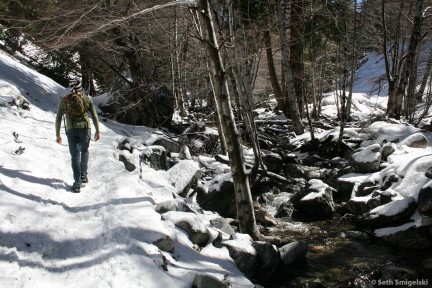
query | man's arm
[94, 118]
[60, 111]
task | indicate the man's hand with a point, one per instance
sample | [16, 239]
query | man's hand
[97, 136]
[59, 140]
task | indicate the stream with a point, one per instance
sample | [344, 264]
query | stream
[336, 260]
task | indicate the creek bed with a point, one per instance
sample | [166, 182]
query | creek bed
[335, 260]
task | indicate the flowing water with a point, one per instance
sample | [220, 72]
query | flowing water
[335, 260]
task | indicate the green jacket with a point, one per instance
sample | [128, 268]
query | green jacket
[76, 123]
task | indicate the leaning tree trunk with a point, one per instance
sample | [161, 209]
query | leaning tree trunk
[245, 211]
[211, 100]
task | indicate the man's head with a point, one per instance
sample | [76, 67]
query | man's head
[75, 85]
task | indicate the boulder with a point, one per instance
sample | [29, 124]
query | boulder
[184, 176]
[129, 166]
[416, 140]
[316, 202]
[294, 251]
[200, 139]
[192, 225]
[243, 253]
[387, 196]
[413, 238]
[344, 190]
[223, 225]
[173, 205]
[273, 162]
[155, 157]
[361, 205]
[425, 201]
[220, 197]
[366, 188]
[389, 180]
[208, 281]
[366, 159]
[428, 173]
[125, 145]
[165, 244]
[391, 214]
[388, 149]
[168, 144]
[268, 260]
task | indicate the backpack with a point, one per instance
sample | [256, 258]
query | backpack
[75, 105]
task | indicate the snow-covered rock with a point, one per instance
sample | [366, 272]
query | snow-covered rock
[396, 212]
[316, 202]
[220, 197]
[184, 176]
[417, 140]
[366, 160]
[425, 200]
[191, 223]
[155, 156]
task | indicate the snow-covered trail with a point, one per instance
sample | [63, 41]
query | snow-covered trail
[101, 237]
[54, 230]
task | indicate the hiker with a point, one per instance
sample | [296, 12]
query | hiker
[75, 106]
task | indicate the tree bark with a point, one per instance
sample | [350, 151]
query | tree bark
[272, 72]
[289, 80]
[411, 63]
[296, 51]
[393, 62]
[242, 72]
[426, 76]
[245, 210]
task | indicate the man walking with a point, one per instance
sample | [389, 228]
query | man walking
[75, 106]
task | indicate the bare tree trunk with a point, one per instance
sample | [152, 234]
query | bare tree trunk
[291, 96]
[412, 61]
[353, 64]
[179, 56]
[245, 210]
[296, 51]
[426, 76]
[87, 80]
[211, 100]
[242, 73]
[272, 71]
[219, 119]
[392, 63]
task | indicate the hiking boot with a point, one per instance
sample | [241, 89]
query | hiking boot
[76, 189]
[84, 179]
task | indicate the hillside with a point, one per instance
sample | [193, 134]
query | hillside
[102, 237]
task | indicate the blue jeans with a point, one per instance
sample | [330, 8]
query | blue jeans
[79, 141]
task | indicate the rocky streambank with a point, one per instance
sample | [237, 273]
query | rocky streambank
[347, 214]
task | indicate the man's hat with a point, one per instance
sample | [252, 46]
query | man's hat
[75, 85]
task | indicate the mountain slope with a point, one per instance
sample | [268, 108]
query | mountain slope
[101, 237]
